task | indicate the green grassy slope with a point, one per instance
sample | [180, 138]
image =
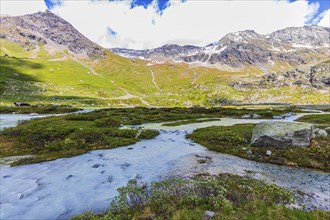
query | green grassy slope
[44, 76]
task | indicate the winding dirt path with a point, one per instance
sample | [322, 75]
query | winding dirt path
[153, 79]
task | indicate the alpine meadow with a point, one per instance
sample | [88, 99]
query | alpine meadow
[163, 109]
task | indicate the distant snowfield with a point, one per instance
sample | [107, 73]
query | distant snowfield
[64, 187]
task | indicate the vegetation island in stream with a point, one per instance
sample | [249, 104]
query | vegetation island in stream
[236, 140]
[73, 134]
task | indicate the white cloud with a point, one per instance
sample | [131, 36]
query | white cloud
[192, 22]
[325, 18]
[21, 7]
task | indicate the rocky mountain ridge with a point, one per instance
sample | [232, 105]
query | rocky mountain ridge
[47, 28]
[292, 46]
[168, 52]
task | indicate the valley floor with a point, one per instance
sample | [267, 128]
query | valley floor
[68, 186]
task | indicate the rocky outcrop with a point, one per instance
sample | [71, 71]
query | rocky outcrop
[43, 27]
[316, 76]
[313, 76]
[282, 134]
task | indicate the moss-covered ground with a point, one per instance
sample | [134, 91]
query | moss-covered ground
[316, 119]
[235, 140]
[69, 135]
[40, 109]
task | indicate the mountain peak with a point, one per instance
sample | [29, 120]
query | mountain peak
[239, 37]
[47, 28]
[238, 49]
[305, 36]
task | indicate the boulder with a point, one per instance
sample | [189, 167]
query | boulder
[254, 116]
[209, 214]
[282, 134]
[19, 104]
[320, 132]
[284, 116]
[288, 115]
[245, 116]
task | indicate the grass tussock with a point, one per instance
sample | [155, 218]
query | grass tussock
[229, 196]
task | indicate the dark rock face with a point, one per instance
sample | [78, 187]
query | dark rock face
[316, 76]
[282, 134]
[40, 27]
[313, 76]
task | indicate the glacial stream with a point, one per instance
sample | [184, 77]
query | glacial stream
[64, 187]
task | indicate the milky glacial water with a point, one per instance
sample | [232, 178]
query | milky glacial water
[11, 120]
[61, 188]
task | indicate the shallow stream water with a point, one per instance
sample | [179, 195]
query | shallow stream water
[61, 188]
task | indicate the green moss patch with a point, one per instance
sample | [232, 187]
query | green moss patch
[191, 121]
[40, 109]
[65, 136]
[316, 119]
[235, 140]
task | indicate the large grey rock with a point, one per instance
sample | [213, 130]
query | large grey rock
[282, 134]
[320, 132]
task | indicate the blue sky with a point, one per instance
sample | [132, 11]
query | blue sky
[162, 5]
[324, 5]
[142, 24]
